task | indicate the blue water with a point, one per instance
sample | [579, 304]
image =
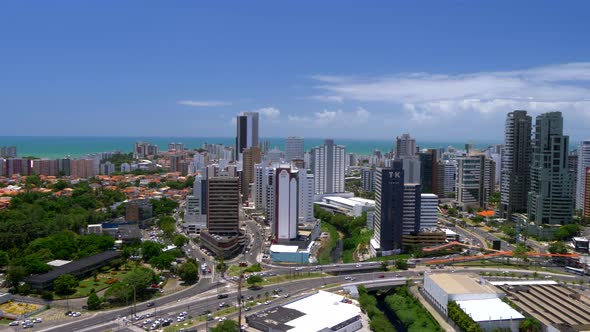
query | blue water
[60, 146]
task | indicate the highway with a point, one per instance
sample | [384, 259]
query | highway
[203, 296]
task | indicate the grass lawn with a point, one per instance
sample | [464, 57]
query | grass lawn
[86, 285]
[390, 258]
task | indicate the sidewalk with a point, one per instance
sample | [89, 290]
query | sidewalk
[439, 318]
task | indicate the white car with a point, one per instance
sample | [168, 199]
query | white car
[13, 323]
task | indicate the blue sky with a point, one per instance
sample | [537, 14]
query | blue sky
[357, 69]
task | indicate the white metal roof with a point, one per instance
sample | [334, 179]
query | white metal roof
[523, 282]
[489, 310]
[283, 248]
[322, 310]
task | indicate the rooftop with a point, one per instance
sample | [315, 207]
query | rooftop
[462, 284]
[283, 248]
[322, 311]
[489, 310]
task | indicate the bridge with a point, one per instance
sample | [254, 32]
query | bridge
[379, 284]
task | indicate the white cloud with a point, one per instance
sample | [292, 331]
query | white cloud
[428, 97]
[333, 119]
[203, 103]
[270, 113]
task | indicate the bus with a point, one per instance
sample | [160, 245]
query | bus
[574, 270]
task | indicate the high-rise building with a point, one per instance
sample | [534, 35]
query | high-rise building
[223, 205]
[305, 196]
[64, 166]
[286, 190]
[572, 166]
[294, 148]
[475, 180]
[388, 217]
[8, 152]
[551, 196]
[175, 160]
[175, 147]
[405, 146]
[247, 132]
[195, 216]
[516, 164]
[106, 168]
[250, 156]
[411, 208]
[260, 186]
[45, 167]
[428, 211]
[18, 166]
[583, 162]
[586, 209]
[427, 169]
[82, 168]
[412, 166]
[328, 167]
[143, 150]
[368, 179]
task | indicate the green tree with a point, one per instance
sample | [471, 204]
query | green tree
[530, 324]
[520, 252]
[150, 249]
[254, 279]
[401, 264]
[566, 232]
[162, 261]
[180, 240]
[65, 284]
[226, 326]
[93, 301]
[4, 259]
[557, 247]
[15, 275]
[189, 272]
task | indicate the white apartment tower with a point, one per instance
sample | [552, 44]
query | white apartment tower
[428, 211]
[328, 167]
[195, 215]
[305, 196]
[286, 198]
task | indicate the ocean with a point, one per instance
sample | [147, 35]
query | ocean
[77, 146]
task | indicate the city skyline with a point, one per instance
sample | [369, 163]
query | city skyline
[188, 70]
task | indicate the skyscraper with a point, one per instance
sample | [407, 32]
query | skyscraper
[583, 163]
[405, 146]
[294, 148]
[516, 164]
[551, 196]
[475, 180]
[388, 217]
[247, 131]
[328, 167]
[287, 204]
[368, 179]
[8, 152]
[428, 170]
[195, 216]
[223, 204]
[305, 196]
[251, 157]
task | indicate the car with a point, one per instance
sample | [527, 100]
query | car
[247, 309]
[347, 278]
[267, 303]
[381, 276]
[76, 314]
[286, 295]
[222, 304]
[298, 269]
[222, 296]
[28, 326]
[359, 265]
[37, 320]
[13, 323]
[151, 304]
[352, 278]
